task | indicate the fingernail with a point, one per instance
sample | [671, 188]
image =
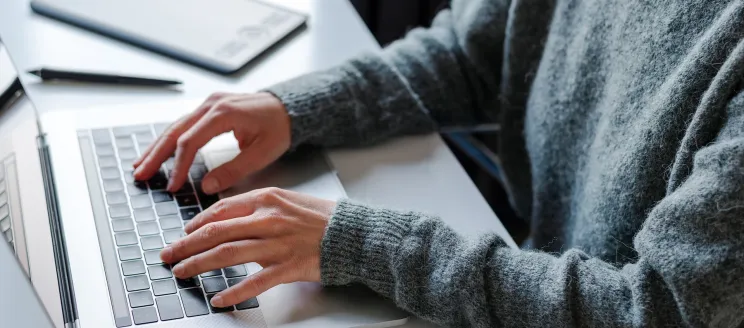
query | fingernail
[217, 301]
[178, 270]
[187, 227]
[137, 171]
[170, 185]
[210, 185]
[166, 254]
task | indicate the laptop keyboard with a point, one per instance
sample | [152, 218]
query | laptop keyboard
[6, 224]
[144, 218]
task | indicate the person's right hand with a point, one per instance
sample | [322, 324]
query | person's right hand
[259, 122]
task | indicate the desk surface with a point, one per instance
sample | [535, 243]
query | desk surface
[418, 173]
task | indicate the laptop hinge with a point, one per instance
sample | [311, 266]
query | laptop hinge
[64, 278]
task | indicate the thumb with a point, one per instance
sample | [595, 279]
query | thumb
[224, 176]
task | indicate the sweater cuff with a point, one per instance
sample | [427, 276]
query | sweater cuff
[305, 97]
[360, 243]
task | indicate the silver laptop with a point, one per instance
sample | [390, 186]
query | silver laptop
[88, 236]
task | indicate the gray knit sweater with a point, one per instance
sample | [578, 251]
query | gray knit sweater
[622, 126]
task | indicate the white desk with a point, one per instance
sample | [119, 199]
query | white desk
[417, 173]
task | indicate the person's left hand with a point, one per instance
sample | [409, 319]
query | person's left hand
[280, 230]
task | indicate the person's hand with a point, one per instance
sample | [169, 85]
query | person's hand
[280, 230]
[259, 122]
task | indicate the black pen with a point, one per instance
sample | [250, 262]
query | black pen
[47, 74]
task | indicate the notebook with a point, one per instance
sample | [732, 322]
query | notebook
[221, 36]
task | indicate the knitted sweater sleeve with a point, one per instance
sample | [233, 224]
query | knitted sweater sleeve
[441, 76]
[688, 273]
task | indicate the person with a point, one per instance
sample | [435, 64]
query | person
[622, 142]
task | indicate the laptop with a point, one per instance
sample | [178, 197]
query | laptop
[88, 236]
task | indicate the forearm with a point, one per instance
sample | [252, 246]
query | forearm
[427, 269]
[424, 81]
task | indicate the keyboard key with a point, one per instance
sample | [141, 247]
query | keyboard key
[136, 189]
[116, 198]
[212, 273]
[127, 154]
[197, 171]
[125, 238]
[186, 200]
[144, 137]
[160, 128]
[144, 315]
[127, 163]
[3, 199]
[101, 137]
[107, 161]
[160, 197]
[129, 253]
[110, 173]
[153, 257]
[172, 235]
[158, 182]
[124, 142]
[198, 159]
[144, 214]
[186, 189]
[208, 200]
[140, 299]
[158, 272]
[169, 307]
[250, 303]
[105, 150]
[5, 221]
[214, 285]
[143, 145]
[235, 271]
[187, 283]
[119, 211]
[234, 281]
[164, 209]
[124, 131]
[151, 242]
[164, 287]
[112, 185]
[216, 309]
[122, 225]
[131, 268]
[141, 201]
[147, 229]
[193, 302]
[169, 163]
[135, 283]
[189, 213]
[170, 222]
[128, 177]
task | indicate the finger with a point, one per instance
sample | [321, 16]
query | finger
[142, 157]
[224, 209]
[165, 145]
[250, 159]
[205, 238]
[253, 285]
[209, 126]
[222, 256]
